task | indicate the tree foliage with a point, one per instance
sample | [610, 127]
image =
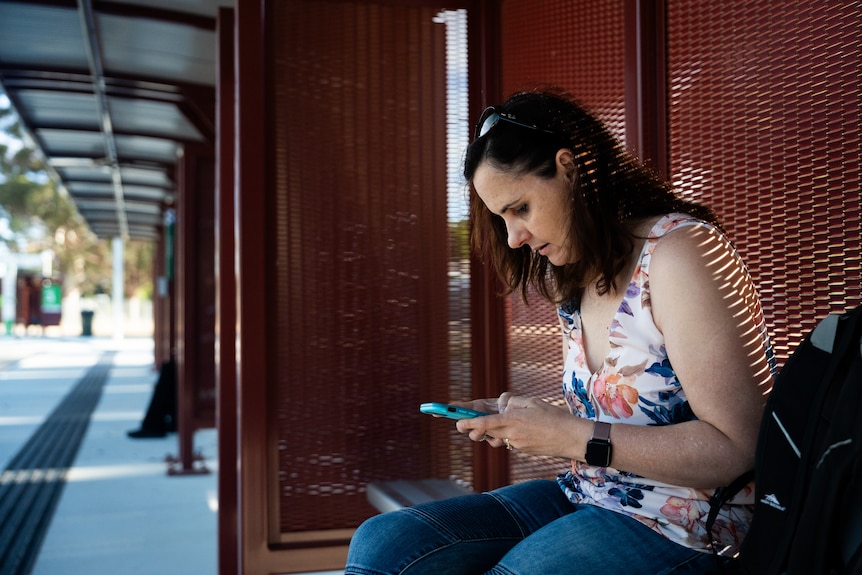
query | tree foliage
[40, 217]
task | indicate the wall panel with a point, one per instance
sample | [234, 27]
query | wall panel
[766, 126]
[359, 156]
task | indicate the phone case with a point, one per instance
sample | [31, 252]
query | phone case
[450, 411]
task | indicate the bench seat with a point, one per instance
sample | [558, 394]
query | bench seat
[392, 495]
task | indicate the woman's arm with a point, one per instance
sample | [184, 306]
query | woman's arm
[707, 308]
[705, 305]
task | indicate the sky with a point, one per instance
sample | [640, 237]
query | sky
[4, 139]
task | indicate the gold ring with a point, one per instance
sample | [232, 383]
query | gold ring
[508, 445]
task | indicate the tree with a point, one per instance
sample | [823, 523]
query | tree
[40, 218]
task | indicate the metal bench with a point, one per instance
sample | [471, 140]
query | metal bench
[391, 495]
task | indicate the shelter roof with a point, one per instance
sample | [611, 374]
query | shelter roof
[110, 92]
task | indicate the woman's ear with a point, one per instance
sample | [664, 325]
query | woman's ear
[566, 163]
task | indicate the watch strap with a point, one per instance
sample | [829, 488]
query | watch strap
[602, 432]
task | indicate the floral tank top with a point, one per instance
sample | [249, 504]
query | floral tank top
[637, 385]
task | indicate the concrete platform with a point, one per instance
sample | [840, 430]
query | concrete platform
[119, 511]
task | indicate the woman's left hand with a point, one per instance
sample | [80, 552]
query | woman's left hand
[529, 424]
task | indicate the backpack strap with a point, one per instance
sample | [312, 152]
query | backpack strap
[721, 496]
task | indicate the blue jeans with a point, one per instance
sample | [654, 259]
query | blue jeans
[528, 528]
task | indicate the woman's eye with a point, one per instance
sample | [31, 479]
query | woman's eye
[522, 209]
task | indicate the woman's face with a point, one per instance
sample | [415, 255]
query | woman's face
[537, 211]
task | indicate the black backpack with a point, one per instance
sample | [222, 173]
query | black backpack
[808, 467]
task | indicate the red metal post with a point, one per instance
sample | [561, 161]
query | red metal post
[646, 82]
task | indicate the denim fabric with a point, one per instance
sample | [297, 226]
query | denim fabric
[528, 528]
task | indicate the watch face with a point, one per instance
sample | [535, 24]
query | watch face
[598, 453]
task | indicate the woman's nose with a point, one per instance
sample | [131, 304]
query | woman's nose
[517, 234]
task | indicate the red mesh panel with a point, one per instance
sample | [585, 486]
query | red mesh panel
[765, 127]
[578, 46]
[360, 326]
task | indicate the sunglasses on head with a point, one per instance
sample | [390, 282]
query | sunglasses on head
[491, 117]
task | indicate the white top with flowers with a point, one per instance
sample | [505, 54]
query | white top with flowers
[636, 384]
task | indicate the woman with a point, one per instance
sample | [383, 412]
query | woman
[666, 366]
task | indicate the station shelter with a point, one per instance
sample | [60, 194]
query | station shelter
[297, 163]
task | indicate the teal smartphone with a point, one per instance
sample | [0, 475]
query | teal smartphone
[450, 411]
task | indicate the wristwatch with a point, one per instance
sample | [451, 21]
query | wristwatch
[599, 445]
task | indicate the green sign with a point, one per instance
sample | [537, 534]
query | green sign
[52, 299]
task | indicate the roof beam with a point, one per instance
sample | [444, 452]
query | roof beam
[94, 56]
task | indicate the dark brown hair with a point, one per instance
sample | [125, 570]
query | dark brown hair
[611, 189]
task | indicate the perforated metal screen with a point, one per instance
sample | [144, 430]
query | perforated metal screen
[577, 45]
[764, 125]
[370, 288]
[363, 293]
[765, 121]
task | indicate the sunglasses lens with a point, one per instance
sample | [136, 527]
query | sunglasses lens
[488, 120]
[490, 117]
